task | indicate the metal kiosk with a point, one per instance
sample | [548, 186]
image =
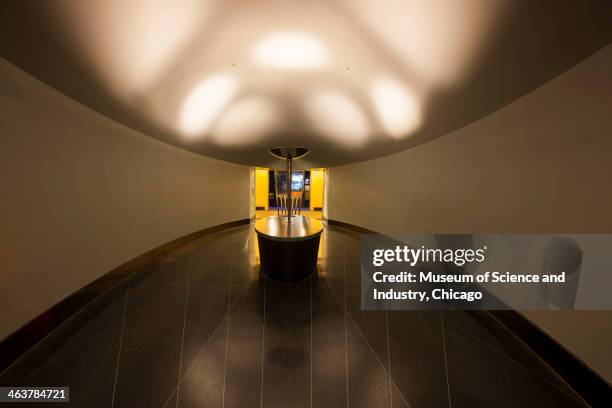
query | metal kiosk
[288, 245]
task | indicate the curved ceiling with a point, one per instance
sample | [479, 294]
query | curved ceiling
[351, 80]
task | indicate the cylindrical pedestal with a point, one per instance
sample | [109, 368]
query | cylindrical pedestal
[288, 261]
[288, 254]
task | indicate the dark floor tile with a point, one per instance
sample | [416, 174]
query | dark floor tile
[103, 312]
[223, 246]
[207, 304]
[203, 379]
[89, 371]
[248, 247]
[331, 248]
[200, 264]
[480, 377]
[172, 401]
[372, 326]
[368, 380]
[485, 328]
[150, 353]
[155, 282]
[352, 268]
[352, 249]
[286, 369]
[398, 399]
[348, 361]
[243, 379]
[329, 358]
[332, 271]
[244, 270]
[287, 306]
[372, 323]
[416, 349]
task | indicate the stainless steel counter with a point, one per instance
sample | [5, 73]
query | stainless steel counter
[277, 228]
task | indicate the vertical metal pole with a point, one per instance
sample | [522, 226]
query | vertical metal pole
[289, 205]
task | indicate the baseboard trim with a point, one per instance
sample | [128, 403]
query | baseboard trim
[16, 344]
[354, 228]
[587, 383]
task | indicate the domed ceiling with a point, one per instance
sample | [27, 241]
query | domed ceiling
[350, 79]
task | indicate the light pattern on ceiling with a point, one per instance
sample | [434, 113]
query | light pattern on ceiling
[233, 72]
[350, 79]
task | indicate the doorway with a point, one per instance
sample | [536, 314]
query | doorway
[306, 185]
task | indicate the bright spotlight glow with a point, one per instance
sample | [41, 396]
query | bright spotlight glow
[130, 43]
[290, 50]
[246, 121]
[206, 102]
[339, 117]
[398, 110]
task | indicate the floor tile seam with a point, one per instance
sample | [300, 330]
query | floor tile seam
[345, 327]
[234, 303]
[242, 291]
[108, 327]
[311, 350]
[263, 345]
[180, 365]
[450, 404]
[127, 292]
[344, 306]
[389, 357]
[174, 390]
[559, 377]
[229, 302]
[70, 350]
[170, 398]
[65, 322]
[155, 301]
[367, 343]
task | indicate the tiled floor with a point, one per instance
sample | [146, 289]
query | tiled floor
[202, 328]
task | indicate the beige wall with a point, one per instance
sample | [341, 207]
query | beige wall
[80, 195]
[542, 164]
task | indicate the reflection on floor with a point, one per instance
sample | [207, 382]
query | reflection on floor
[203, 328]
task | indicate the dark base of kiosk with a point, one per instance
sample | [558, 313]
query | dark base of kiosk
[288, 261]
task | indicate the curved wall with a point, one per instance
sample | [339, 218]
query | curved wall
[542, 164]
[81, 194]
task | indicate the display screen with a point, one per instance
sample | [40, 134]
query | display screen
[297, 181]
